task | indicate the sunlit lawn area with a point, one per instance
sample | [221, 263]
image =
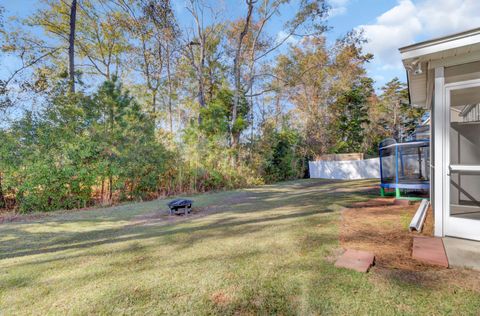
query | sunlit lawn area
[265, 250]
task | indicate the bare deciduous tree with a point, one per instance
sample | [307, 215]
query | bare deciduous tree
[71, 45]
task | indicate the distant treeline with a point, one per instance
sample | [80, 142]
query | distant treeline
[114, 100]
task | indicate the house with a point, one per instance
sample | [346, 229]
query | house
[444, 77]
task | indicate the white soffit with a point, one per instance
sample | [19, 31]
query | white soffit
[446, 51]
[417, 85]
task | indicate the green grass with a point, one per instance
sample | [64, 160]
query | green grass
[264, 252]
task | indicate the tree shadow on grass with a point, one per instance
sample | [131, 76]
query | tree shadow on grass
[71, 240]
[117, 235]
[265, 295]
[286, 207]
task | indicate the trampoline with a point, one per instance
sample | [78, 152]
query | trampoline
[404, 168]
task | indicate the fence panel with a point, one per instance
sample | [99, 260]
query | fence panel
[345, 170]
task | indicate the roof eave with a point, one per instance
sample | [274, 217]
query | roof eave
[458, 39]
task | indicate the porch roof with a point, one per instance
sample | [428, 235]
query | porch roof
[420, 59]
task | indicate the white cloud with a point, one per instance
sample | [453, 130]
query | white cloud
[281, 35]
[410, 21]
[338, 7]
[379, 78]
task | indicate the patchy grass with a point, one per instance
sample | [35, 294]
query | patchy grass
[258, 251]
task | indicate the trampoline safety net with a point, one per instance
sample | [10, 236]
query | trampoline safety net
[405, 165]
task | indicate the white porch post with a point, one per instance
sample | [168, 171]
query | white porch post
[439, 144]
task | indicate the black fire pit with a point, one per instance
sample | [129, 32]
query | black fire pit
[177, 204]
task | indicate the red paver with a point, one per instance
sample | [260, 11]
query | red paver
[401, 202]
[429, 250]
[356, 260]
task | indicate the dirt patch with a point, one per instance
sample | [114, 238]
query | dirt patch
[368, 190]
[238, 198]
[454, 279]
[220, 298]
[377, 202]
[323, 182]
[161, 217]
[12, 216]
[382, 227]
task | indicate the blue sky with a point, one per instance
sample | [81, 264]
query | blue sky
[388, 24]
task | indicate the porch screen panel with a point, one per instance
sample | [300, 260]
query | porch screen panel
[465, 153]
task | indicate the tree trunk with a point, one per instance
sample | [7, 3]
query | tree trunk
[3, 204]
[102, 194]
[199, 72]
[71, 46]
[201, 84]
[170, 90]
[200, 67]
[154, 107]
[110, 188]
[237, 74]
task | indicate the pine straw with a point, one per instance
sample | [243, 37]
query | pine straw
[381, 227]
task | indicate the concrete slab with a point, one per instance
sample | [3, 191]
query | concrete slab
[429, 250]
[462, 253]
[357, 260]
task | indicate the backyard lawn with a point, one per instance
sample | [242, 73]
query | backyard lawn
[266, 250]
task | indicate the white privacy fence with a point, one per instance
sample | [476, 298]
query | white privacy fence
[347, 170]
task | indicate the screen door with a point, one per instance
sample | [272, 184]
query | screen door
[463, 160]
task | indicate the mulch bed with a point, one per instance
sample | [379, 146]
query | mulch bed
[381, 227]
